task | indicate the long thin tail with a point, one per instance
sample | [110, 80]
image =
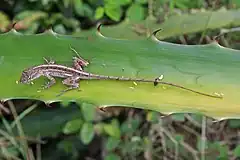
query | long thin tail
[191, 90]
[156, 81]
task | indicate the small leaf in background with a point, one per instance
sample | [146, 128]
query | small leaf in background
[152, 116]
[78, 6]
[88, 111]
[141, 1]
[200, 143]
[82, 9]
[98, 128]
[46, 2]
[235, 3]
[218, 147]
[66, 3]
[223, 150]
[197, 117]
[184, 4]
[68, 22]
[72, 126]
[4, 22]
[113, 129]
[180, 117]
[59, 29]
[87, 11]
[136, 139]
[112, 156]
[28, 20]
[135, 12]
[123, 2]
[11, 150]
[234, 123]
[87, 133]
[146, 141]
[130, 126]
[99, 13]
[67, 146]
[236, 151]
[113, 12]
[112, 143]
[111, 2]
[179, 137]
[65, 103]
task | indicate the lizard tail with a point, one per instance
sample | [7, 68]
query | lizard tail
[156, 81]
[99, 77]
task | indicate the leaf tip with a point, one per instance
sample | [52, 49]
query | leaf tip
[99, 30]
[49, 103]
[153, 35]
[13, 27]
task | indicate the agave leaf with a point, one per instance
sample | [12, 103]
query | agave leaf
[173, 26]
[206, 68]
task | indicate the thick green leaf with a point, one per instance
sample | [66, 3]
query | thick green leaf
[174, 25]
[199, 21]
[206, 68]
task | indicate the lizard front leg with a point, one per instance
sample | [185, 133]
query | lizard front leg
[72, 82]
[51, 82]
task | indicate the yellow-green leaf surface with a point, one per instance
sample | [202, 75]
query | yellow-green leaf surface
[206, 68]
[174, 25]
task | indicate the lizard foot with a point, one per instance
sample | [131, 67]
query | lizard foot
[68, 89]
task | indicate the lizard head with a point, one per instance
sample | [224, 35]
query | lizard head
[27, 76]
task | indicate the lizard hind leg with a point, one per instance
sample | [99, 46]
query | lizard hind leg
[78, 62]
[72, 83]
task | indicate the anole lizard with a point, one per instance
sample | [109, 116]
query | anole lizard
[72, 76]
